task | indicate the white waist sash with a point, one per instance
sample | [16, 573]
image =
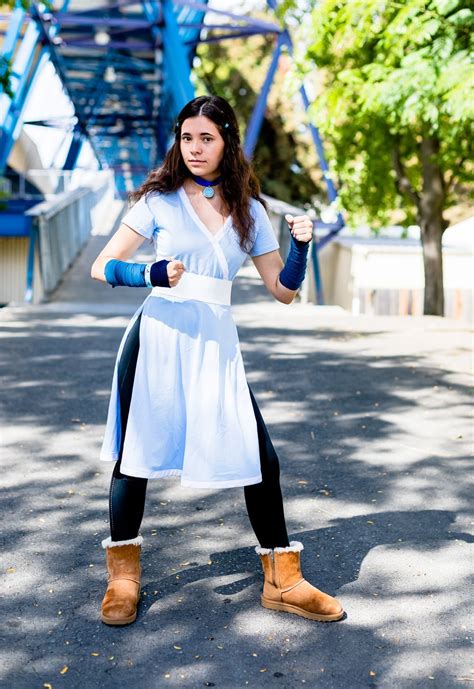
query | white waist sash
[200, 287]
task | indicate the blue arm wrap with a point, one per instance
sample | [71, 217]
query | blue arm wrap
[122, 273]
[159, 275]
[293, 272]
[133, 274]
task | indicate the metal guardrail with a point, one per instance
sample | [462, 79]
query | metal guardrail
[48, 183]
[62, 227]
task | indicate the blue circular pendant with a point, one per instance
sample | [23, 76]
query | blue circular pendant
[208, 192]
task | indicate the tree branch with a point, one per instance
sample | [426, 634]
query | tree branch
[450, 181]
[404, 185]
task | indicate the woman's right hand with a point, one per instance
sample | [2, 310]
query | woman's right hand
[175, 269]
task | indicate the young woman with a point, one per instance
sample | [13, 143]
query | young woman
[180, 403]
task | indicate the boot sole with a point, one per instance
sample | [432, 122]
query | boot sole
[116, 623]
[286, 607]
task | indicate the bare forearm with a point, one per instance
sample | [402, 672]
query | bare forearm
[122, 247]
[282, 293]
[98, 268]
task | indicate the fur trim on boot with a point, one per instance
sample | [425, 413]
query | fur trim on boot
[109, 543]
[285, 589]
[294, 547]
[119, 605]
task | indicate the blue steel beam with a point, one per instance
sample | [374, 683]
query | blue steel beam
[137, 46]
[74, 149]
[251, 137]
[59, 67]
[13, 32]
[111, 152]
[255, 122]
[175, 60]
[78, 59]
[91, 109]
[30, 264]
[83, 41]
[224, 37]
[71, 21]
[224, 13]
[331, 190]
[24, 69]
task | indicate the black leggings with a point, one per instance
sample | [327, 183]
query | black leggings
[127, 493]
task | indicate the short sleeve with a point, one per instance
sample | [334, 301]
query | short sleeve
[140, 218]
[265, 238]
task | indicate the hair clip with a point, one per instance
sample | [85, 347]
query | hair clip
[226, 125]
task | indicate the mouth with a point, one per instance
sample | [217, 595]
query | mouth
[197, 161]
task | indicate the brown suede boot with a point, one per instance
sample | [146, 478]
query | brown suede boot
[286, 589]
[119, 605]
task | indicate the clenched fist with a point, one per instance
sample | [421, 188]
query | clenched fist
[175, 269]
[301, 227]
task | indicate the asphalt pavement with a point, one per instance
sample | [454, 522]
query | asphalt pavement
[372, 421]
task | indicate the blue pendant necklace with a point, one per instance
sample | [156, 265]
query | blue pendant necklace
[208, 191]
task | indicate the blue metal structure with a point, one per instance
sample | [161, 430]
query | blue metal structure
[127, 70]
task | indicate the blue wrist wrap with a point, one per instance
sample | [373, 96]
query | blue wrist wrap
[292, 274]
[133, 274]
[159, 275]
[122, 273]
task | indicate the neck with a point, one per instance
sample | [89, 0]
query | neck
[208, 178]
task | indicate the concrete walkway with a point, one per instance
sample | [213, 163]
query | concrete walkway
[371, 420]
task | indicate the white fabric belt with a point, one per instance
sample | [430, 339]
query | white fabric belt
[200, 287]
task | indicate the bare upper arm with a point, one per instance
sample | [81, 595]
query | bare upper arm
[122, 245]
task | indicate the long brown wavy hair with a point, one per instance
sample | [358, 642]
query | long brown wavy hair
[239, 181]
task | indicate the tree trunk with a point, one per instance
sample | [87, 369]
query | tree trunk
[432, 224]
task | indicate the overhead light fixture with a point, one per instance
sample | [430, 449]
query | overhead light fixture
[101, 37]
[110, 76]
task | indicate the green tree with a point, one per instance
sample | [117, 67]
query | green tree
[396, 108]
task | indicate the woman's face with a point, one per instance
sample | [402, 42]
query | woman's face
[201, 142]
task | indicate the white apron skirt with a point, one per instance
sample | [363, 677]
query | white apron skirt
[191, 413]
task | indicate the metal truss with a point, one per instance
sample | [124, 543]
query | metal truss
[126, 66]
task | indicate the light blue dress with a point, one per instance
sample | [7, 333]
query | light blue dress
[190, 412]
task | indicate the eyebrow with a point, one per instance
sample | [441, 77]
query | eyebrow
[202, 133]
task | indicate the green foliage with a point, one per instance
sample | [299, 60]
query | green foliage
[5, 63]
[5, 76]
[24, 4]
[394, 73]
[4, 195]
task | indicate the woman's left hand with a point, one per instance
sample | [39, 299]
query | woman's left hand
[301, 227]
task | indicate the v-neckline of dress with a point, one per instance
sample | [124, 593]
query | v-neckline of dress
[191, 210]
